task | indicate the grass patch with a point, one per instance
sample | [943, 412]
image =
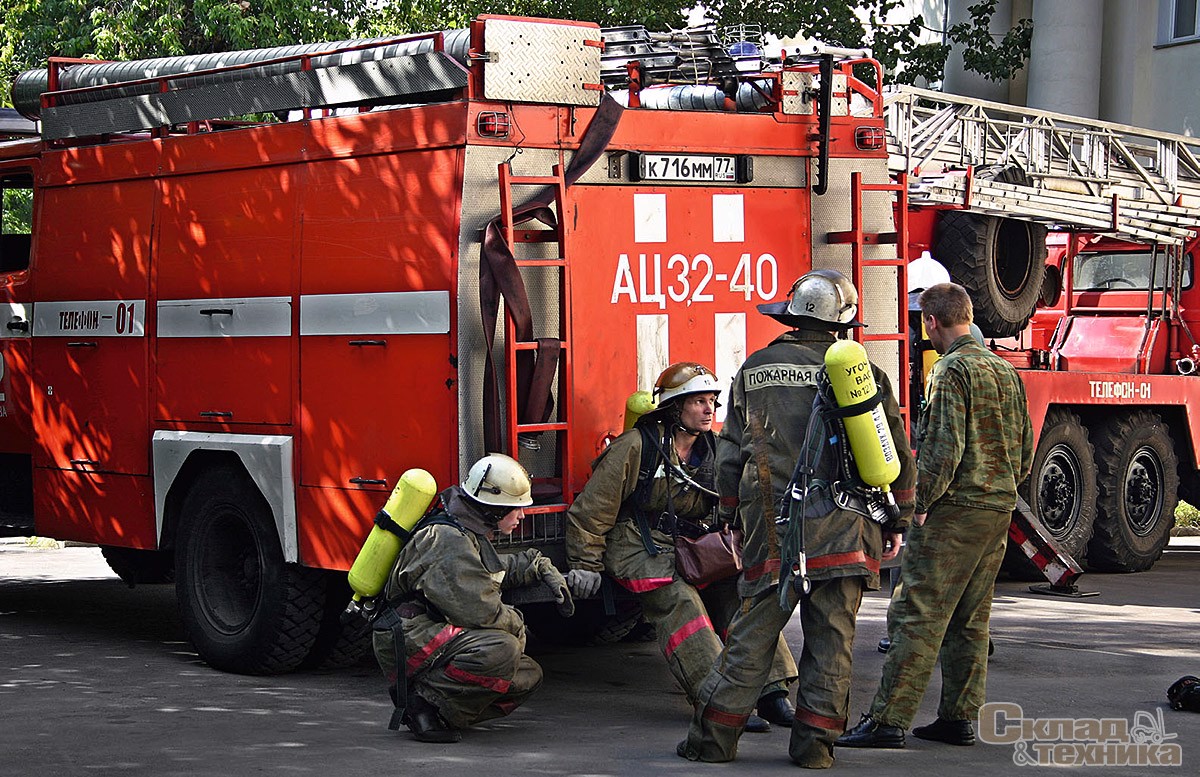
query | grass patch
[1187, 518]
[43, 543]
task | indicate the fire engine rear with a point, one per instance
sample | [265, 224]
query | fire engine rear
[224, 339]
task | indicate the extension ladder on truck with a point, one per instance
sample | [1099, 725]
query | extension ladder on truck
[1080, 173]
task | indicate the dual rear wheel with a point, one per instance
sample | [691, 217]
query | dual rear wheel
[1106, 493]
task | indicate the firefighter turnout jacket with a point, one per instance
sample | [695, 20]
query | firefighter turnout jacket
[446, 586]
[769, 407]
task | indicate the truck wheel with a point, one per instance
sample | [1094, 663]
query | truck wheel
[243, 608]
[1139, 487]
[1000, 261]
[140, 567]
[1061, 490]
[339, 644]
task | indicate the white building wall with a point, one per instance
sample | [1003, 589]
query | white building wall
[1098, 58]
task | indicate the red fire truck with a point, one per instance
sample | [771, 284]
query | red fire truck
[224, 340]
[1105, 332]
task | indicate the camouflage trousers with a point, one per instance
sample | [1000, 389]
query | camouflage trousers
[690, 624]
[942, 605]
[482, 674]
[827, 617]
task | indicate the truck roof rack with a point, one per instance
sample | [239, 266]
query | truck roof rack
[1080, 173]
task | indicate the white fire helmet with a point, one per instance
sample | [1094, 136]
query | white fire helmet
[683, 378]
[500, 481]
[823, 296]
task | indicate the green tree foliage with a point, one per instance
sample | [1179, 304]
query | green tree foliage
[32, 30]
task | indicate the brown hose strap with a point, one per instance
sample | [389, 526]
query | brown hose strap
[499, 276]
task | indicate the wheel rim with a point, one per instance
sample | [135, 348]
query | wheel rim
[1011, 266]
[1059, 498]
[1144, 489]
[229, 580]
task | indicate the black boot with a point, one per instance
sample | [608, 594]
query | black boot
[952, 732]
[427, 724]
[775, 708]
[871, 733]
[756, 725]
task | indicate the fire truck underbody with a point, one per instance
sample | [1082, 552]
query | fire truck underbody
[225, 340]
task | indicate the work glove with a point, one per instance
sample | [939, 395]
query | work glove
[583, 583]
[553, 580]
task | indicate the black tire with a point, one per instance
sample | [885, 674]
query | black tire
[1139, 488]
[243, 608]
[1000, 261]
[340, 642]
[1061, 491]
[140, 567]
[588, 626]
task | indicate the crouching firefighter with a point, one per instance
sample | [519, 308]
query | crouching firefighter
[652, 483]
[823, 549]
[452, 651]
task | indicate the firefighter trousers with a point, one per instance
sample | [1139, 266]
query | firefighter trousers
[687, 622]
[482, 675]
[727, 695]
[943, 605]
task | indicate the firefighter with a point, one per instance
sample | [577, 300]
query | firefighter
[463, 648]
[770, 404]
[652, 482]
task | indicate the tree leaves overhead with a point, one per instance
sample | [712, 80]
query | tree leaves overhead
[32, 30]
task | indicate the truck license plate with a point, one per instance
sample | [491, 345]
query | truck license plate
[687, 167]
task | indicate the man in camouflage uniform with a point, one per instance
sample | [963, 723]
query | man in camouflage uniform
[463, 648]
[604, 532]
[976, 446]
[763, 437]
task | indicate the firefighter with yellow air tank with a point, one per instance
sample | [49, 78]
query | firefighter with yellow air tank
[653, 482]
[836, 527]
[452, 650]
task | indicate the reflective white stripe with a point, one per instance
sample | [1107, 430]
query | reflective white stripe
[653, 349]
[95, 318]
[650, 218]
[226, 317]
[392, 313]
[729, 218]
[730, 341]
[15, 313]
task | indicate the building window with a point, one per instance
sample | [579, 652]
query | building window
[1178, 22]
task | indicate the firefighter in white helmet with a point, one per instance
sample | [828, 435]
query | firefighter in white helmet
[653, 482]
[770, 404]
[462, 660]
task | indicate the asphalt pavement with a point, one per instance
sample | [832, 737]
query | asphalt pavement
[96, 679]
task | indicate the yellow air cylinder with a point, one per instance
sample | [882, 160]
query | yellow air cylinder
[928, 358]
[637, 405]
[870, 438]
[409, 500]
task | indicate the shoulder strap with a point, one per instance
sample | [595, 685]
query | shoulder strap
[641, 492]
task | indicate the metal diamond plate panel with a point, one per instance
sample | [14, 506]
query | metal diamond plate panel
[480, 203]
[536, 62]
[839, 106]
[797, 93]
[886, 356]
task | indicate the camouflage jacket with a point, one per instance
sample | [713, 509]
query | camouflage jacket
[452, 577]
[769, 407]
[602, 533]
[976, 438]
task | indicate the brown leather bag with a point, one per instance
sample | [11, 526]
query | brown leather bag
[709, 557]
